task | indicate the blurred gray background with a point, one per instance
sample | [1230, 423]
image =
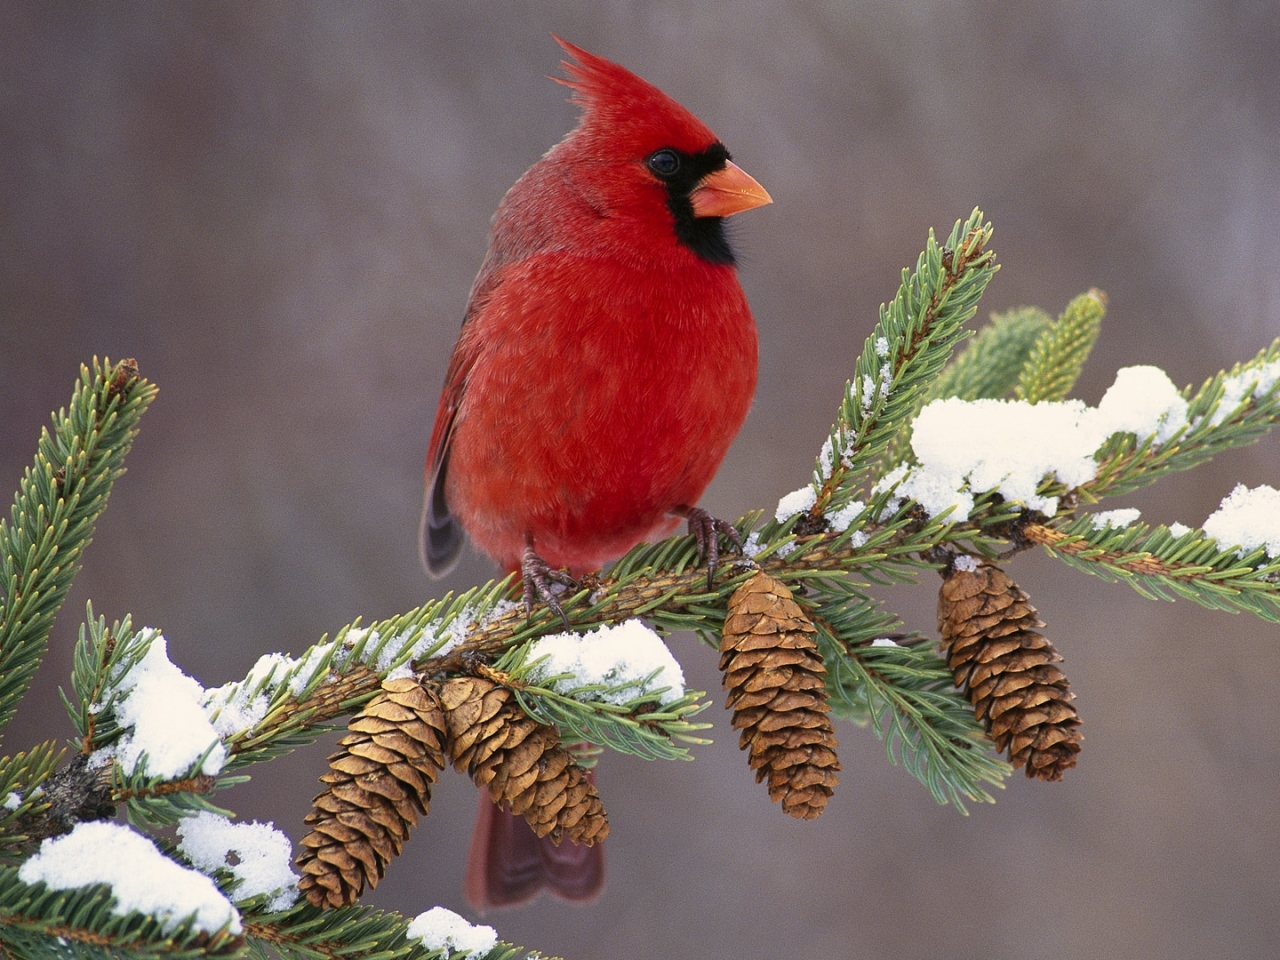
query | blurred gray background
[278, 210]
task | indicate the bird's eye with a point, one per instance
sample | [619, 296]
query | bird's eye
[664, 163]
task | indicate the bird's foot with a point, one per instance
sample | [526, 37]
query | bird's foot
[538, 576]
[705, 529]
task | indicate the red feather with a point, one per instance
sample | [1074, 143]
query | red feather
[608, 355]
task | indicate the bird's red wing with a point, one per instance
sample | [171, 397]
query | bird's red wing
[455, 381]
[440, 535]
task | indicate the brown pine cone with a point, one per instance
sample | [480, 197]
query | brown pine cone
[520, 762]
[379, 782]
[1007, 669]
[778, 694]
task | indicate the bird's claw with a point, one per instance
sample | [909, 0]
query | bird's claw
[705, 529]
[538, 577]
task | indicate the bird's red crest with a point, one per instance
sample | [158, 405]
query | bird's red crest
[637, 114]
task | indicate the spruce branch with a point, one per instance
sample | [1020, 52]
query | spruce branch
[1232, 409]
[992, 362]
[159, 801]
[27, 797]
[308, 933]
[904, 690]
[1162, 566]
[59, 500]
[101, 654]
[84, 924]
[988, 367]
[857, 529]
[335, 678]
[614, 716]
[907, 350]
[1058, 355]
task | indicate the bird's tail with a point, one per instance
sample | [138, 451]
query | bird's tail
[509, 865]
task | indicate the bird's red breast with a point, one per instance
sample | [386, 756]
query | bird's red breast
[608, 355]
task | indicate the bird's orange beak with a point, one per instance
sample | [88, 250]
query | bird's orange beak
[726, 192]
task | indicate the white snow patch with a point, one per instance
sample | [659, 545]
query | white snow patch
[402, 672]
[1143, 401]
[355, 635]
[752, 547]
[380, 652]
[795, 502]
[886, 380]
[317, 658]
[890, 481]
[336, 654]
[239, 706]
[141, 877]
[966, 564]
[840, 519]
[468, 620]
[262, 854]
[1250, 382]
[161, 708]
[826, 458]
[424, 644]
[882, 347]
[329, 656]
[868, 393]
[612, 656]
[12, 800]
[970, 446]
[441, 929]
[884, 642]
[102, 757]
[1178, 530]
[1249, 519]
[977, 445]
[1116, 518]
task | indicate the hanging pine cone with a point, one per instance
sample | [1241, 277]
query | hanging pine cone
[1007, 669]
[778, 694]
[520, 762]
[379, 782]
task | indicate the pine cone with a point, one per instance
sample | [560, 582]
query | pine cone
[520, 762]
[1007, 669]
[379, 782]
[778, 694]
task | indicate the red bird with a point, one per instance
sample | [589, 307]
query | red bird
[606, 361]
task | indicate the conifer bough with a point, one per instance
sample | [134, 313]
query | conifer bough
[453, 682]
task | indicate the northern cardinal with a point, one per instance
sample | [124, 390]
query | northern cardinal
[606, 361]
